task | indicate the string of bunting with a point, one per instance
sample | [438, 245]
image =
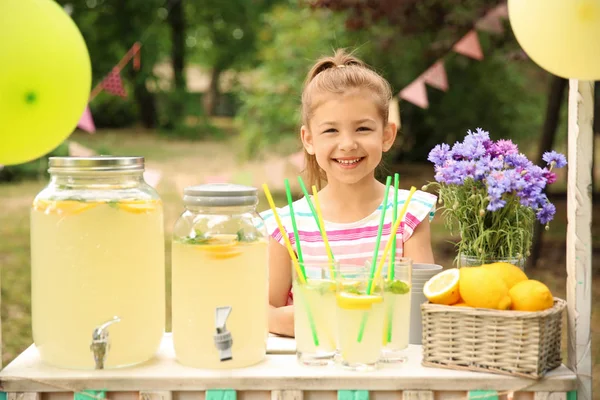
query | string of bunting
[468, 46]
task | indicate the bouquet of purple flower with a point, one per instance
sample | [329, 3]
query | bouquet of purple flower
[492, 194]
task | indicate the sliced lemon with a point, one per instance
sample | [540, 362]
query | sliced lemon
[62, 207]
[221, 247]
[138, 206]
[353, 301]
[443, 287]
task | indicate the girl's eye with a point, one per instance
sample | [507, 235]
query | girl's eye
[330, 130]
[364, 129]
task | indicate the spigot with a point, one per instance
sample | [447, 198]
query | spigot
[101, 342]
[223, 339]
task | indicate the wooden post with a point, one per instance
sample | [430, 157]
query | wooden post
[579, 235]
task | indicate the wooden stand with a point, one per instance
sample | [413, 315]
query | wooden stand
[279, 376]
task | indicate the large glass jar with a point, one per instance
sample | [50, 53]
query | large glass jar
[97, 264]
[220, 279]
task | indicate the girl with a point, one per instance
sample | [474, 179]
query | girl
[345, 131]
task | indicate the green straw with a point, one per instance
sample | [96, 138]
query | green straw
[363, 323]
[391, 269]
[288, 192]
[311, 320]
[314, 212]
[388, 181]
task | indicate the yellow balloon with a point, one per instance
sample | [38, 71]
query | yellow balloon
[45, 78]
[561, 36]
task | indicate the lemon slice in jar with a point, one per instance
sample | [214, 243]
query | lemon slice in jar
[62, 207]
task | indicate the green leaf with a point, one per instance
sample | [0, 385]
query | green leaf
[397, 287]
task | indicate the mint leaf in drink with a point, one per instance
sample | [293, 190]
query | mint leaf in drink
[114, 204]
[397, 287]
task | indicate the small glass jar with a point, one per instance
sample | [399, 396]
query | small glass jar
[220, 278]
[97, 264]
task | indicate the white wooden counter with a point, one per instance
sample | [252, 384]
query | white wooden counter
[278, 376]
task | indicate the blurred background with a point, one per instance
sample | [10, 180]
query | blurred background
[209, 91]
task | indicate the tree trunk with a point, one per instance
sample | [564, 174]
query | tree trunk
[555, 101]
[211, 97]
[177, 23]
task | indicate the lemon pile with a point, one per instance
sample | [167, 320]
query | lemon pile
[498, 286]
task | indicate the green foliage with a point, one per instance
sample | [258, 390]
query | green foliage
[113, 111]
[487, 235]
[36, 169]
[292, 40]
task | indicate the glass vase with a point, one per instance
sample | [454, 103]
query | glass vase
[476, 261]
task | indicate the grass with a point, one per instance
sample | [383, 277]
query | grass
[184, 163]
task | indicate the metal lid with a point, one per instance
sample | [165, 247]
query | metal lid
[220, 195]
[95, 164]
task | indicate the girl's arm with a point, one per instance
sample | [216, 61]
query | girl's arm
[281, 316]
[418, 246]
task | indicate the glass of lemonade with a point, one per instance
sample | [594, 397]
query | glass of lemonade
[97, 264]
[360, 318]
[397, 302]
[314, 313]
[219, 278]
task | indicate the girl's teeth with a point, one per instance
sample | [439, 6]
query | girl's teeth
[348, 162]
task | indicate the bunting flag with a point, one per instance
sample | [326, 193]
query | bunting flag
[77, 150]
[223, 178]
[113, 84]
[436, 77]
[469, 46]
[152, 177]
[86, 122]
[492, 21]
[416, 93]
[136, 55]
[297, 160]
[275, 173]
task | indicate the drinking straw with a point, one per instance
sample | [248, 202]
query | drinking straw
[386, 250]
[391, 269]
[388, 181]
[314, 213]
[299, 271]
[286, 239]
[323, 231]
[288, 193]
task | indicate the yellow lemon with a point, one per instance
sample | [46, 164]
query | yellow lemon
[138, 206]
[443, 287]
[531, 295]
[483, 289]
[510, 274]
[63, 207]
[353, 301]
[461, 304]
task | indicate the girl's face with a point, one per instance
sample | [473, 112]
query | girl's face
[347, 135]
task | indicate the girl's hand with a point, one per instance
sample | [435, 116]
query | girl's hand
[281, 316]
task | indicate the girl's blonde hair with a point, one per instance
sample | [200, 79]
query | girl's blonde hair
[337, 74]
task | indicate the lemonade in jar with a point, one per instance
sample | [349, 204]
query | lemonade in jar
[219, 278]
[97, 264]
[360, 319]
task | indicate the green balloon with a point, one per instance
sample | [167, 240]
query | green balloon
[45, 78]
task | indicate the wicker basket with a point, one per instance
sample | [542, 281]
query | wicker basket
[518, 343]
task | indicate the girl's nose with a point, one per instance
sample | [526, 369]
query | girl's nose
[347, 143]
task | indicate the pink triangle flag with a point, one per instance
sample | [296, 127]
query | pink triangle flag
[87, 122]
[152, 177]
[436, 76]
[297, 160]
[224, 178]
[469, 46]
[491, 22]
[416, 93]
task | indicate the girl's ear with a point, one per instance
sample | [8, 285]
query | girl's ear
[389, 136]
[307, 140]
